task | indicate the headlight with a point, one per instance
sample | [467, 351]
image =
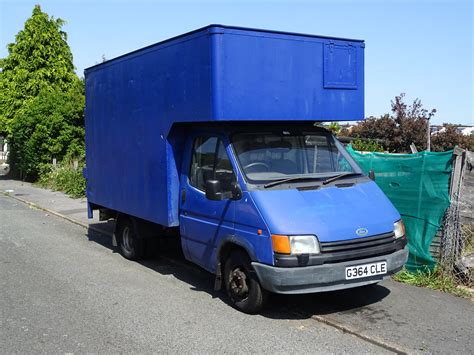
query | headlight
[295, 244]
[399, 229]
[304, 244]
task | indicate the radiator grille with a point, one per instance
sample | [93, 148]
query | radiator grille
[359, 243]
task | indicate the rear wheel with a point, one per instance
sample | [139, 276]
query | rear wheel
[131, 245]
[242, 285]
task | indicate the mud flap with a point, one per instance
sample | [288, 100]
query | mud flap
[218, 280]
[90, 211]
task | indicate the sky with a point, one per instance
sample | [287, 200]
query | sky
[422, 48]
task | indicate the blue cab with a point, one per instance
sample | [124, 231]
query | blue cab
[213, 137]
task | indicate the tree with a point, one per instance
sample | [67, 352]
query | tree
[406, 125]
[449, 138]
[383, 129]
[39, 59]
[412, 123]
[41, 98]
[50, 126]
[366, 145]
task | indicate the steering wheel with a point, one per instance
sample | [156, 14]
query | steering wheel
[257, 163]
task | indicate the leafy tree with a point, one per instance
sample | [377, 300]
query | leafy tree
[50, 126]
[412, 123]
[41, 98]
[366, 145]
[406, 125]
[450, 138]
[39, 59]
[383, 129]
[334, 127]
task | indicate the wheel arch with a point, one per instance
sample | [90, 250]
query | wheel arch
[118, 219]
[226, 247]
[143, 228]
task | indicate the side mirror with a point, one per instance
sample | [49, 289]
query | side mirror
[213, 190]
[372, 175]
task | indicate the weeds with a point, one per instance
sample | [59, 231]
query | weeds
[63, 177]
[434, 279]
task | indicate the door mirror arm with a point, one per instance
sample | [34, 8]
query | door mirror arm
[236, 191]
[372, 175]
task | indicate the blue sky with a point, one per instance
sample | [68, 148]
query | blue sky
[423, 48]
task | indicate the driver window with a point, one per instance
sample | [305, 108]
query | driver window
[223, 168]
[210, 162]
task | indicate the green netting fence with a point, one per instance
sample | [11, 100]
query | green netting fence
[418, 186]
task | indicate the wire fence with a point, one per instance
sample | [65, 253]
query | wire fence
[457, 239]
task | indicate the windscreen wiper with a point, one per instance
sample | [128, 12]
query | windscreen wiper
[334, 178]
[292, 179]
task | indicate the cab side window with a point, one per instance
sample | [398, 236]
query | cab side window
[210, 162]
[223, 168]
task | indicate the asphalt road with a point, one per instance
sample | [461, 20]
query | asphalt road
[65, 290]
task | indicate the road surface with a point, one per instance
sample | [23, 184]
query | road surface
[65, 290]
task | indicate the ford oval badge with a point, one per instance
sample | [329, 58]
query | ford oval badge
[361, 232]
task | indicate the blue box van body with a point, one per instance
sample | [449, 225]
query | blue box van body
[146, 110]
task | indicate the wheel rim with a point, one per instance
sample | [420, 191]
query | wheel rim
[126, 239]
[238, 285]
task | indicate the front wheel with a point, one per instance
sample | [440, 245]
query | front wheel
[242, 285]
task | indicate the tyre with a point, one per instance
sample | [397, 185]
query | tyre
[242, 285]
[131, 246]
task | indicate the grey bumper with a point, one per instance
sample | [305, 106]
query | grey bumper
[326, 277]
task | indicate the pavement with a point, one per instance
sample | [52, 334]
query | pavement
[79, 256]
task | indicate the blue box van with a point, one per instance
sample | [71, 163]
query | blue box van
[213, 136]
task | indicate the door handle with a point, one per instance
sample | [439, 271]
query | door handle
[183, 196]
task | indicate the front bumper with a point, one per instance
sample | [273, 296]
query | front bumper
[327, 277]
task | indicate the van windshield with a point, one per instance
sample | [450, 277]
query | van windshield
[267, 157]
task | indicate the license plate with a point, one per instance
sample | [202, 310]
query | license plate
[366, 270]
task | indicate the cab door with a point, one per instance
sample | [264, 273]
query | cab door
[204, 222]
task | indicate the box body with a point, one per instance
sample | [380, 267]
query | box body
[216, 73]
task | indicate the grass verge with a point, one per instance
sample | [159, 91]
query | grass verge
[433, 279]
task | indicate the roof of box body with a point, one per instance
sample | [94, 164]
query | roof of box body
[214, 28]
